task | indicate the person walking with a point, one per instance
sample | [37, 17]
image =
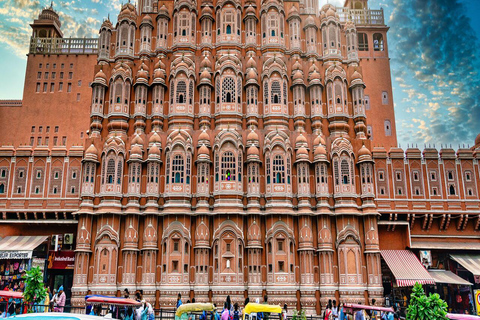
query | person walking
[179, 300]
[61, 297]
[359, 315]
[334, 310]
[284, 312]
[237, 314]
[225, 312]
[341, 312]
[327, 314]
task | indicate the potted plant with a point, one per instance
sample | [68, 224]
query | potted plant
[422, 307]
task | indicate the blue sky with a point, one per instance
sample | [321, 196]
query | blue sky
[434, 50]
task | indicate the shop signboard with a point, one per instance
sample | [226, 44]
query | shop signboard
[12, 255]
[38, 262]
[476, 293]
[61, 260]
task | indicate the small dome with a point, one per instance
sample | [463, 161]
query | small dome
[302, 151]
[293, 11]
[147, 19]
[250, 10]
[253, 151]
[163, 10]
[297, 65]
[136, 150]
[309, 21]
[251, 63]
[137, 140]
[319, 140]
[107, 24]
[159, 74]
[312, 68]
[205, 75]
[207, 11]
[252, 135]
[154, 150]
[297, 75]
[330, 12]
[251, 75]
[154, 138]
[356, 75]
[206, 63]
[204, 136]
[92, 150]
[142, 74]
[203, 150]
[101, 74]
[364, 151]
[314, 76]
[320, 150]
[301, 139]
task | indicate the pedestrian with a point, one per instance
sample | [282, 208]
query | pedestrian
[215, 315]
[61, 297]
[284, 312]
[327, 314]
[335, 310]
[126, 294]
[225, 312]
[247, 301]
[53, 301]
[229, 303]
[129, 314]
[179, 300]
[359, 315]
[237, 314]
[266, 315]
[150, 311]
[341, 313]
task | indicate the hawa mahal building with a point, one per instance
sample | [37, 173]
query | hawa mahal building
[228, 147]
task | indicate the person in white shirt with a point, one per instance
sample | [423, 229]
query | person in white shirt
[335, 310]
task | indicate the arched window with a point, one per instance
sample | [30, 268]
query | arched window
[278, 169]
[378, 42]
[229, 29]
[110, 171]
[181, 91]
[345, 171]
[228, 166]
[177, 169]
[452, 190]
[228, 89]
[2, 188]
[275, 92]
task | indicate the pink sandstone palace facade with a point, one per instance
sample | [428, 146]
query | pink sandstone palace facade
[226, 147]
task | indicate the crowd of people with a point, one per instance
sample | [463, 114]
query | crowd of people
[334, 312]
[144, 311]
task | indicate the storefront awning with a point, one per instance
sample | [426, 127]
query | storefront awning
[445, 276]
[19, 247]
[406, 268]
[471, 262]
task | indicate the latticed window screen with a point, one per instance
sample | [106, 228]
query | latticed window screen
[288, 169]
[267, 160]
[139, 168]
[217, 89]
[119, 171]
[110, 170]
[323, 174]
[184, 24]
[171, 92]
[239, 89]
[345, 171]
[275, 95]
[240, 165]
[265, 91]
[188, 168]
[178, 169]
[278, 169]
[190, 92]
[181, 91]
[228, 89]
[167, 170]
[273, 25]
[228, 166]
[337, 170]
[284, 92]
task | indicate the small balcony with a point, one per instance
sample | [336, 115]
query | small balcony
[361, 16]
[63, 45]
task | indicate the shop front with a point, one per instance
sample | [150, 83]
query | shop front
[17, 255]
[401, 269]
[60, 270]
[453, 289]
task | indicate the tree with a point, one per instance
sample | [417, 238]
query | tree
[426, 308]
[35, 291]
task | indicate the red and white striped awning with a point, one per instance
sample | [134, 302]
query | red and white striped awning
[19, 247]
[406, 268]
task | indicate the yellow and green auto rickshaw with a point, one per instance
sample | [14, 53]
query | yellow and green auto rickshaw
[187, 309]
[252, 310]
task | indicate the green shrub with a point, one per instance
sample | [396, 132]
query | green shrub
[35, 290]
[422, 307]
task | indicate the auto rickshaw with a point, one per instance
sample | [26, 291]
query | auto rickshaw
[252, 310]
[185, 309]
[117, 302]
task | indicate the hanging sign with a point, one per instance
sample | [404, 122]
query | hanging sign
[61, 259]
[15, 254]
